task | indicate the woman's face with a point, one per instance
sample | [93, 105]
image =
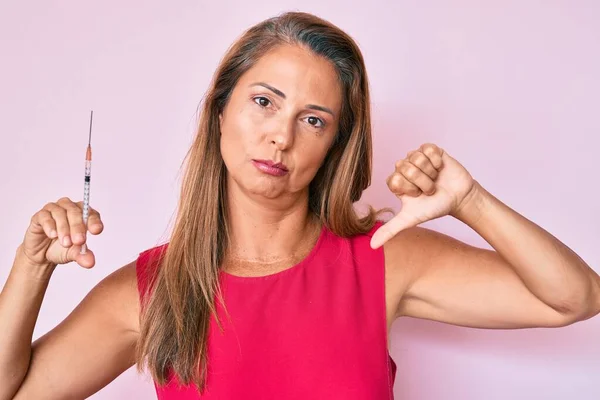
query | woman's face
[279, 123]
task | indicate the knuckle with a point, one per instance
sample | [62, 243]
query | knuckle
[429, 149]
[73, 210]
[395, 182]
[404, 168]
[429, 152]
[72, 206]
[41, 215]
[419, 159]
[411, 172]
[391, 182]
[59, 212]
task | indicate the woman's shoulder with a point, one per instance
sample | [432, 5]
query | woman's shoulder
[146, 266]
[152, 253]
[368, 232]
[375, 226]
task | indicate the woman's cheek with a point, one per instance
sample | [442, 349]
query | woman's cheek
[309, 165]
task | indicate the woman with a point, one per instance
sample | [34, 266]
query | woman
[271, 286]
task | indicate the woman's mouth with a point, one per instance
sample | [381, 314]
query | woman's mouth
[270, 167]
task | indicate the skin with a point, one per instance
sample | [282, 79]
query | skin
[269, 214]
[428, 275]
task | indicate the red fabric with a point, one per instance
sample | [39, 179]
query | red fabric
[314, 331]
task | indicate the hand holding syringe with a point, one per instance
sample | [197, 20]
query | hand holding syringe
[57, 233]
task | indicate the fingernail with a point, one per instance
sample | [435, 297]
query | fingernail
[53, 234]
[66, 241]
[78, 237]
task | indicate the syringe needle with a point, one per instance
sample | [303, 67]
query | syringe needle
[88, 153]
[90, 137]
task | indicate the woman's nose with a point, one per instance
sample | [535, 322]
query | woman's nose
[283, 136]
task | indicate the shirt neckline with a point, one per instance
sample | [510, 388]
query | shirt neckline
[309, 257]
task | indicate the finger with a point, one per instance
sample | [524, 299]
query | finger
[64, 201]
[417, 177]
[400, 186]
[45, 223]
[391, 228]
[95, 224]
[423, 162]
[59, 215]
[434, 153]
[76, 225]
[87, 260]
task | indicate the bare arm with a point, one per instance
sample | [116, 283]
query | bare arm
[84, 353]
[94, 344]
[20, 302]
[531, 280]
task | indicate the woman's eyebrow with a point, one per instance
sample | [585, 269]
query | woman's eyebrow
[271, 88]
[320, 108]
[282, 95]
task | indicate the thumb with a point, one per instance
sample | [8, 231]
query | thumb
[86, 260]
[391, 228]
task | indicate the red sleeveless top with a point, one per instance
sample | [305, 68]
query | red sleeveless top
[316, 330]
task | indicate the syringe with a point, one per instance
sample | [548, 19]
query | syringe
[86, 185]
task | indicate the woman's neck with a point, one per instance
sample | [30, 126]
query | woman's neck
[262, 233]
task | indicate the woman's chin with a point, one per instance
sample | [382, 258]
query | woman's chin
[270, 193]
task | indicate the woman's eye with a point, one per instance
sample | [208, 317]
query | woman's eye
[262, 101]
[316, 122]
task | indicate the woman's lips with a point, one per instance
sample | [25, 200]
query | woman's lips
[270, 167]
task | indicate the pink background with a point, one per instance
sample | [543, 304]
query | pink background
[509, 88]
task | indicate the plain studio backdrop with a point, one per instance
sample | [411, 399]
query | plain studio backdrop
[509, 88]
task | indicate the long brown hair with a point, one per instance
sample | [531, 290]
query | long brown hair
[175, 316]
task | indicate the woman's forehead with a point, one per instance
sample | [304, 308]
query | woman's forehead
[296, 71]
